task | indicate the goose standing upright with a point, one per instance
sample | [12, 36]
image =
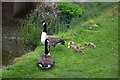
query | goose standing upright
[46, 61]
[53, 40]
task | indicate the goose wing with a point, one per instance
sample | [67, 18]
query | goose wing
[54, 40]
[50, 60]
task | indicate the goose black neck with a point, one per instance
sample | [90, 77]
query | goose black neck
[46, 49]
[45, 28]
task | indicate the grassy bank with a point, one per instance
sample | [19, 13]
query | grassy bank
[99, 62]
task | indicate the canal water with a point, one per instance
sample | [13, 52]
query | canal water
[12, 15]
[12, 45]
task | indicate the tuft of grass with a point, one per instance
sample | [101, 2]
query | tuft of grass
[99, 62]
[0, 73]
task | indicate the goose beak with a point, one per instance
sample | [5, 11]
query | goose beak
[43, 23]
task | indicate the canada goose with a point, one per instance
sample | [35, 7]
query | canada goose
[75, 48]
[79, 46]
[53, 40]
[90, 44]
[71, 46]
[46, 61]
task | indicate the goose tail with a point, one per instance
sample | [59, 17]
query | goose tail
[62, 42]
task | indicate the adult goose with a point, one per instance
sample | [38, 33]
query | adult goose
[53, 40]
[46, 61]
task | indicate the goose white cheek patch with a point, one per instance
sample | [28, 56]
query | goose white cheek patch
[44, 23]
[43, 37]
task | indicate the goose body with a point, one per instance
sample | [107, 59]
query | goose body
[46, 61]
[79, 46]
[90, 44]
[53, 40]
[75, 48]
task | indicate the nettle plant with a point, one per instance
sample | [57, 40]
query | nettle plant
[69, 10]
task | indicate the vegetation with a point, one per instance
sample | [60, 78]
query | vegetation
[31, 29]
[99, 62]
[59, 17]
[50, 13]
[69, 10]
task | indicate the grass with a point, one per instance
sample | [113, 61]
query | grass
[99, 62]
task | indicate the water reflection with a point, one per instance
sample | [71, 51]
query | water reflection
[12, 47]
[12, 14]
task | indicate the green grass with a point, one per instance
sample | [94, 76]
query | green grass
[99, 62]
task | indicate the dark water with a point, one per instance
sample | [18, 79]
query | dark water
[12, 14]
[12, 45]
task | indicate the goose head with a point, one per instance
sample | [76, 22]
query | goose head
[71, 42]
[43, 23]
[45, 26]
